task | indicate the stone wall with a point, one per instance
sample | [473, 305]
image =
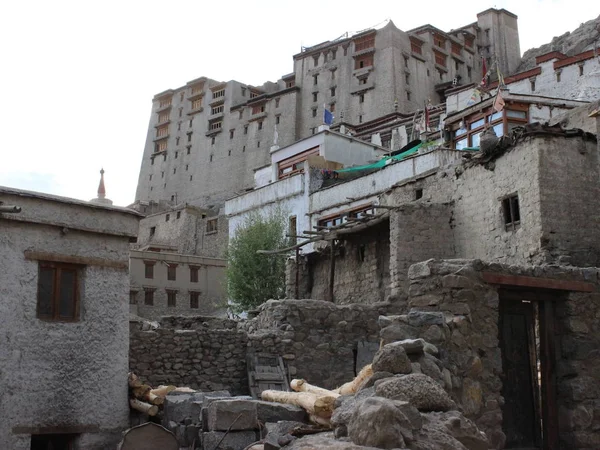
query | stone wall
[208, 354]
[469, 345]
[321, 342]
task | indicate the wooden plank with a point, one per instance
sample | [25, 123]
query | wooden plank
[331, 272]
[548, 360]
[267, 377]
[535, 282]
[71, 259]
[518, 411]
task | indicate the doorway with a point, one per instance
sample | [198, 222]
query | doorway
[526, 335]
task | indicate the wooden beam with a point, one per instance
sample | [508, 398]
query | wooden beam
[548, 373]
[535, 282]
[71, 259]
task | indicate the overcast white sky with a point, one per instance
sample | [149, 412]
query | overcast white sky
[78, 76]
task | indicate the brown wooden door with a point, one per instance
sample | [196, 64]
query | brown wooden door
[520, 413]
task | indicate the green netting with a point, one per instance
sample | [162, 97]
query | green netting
[382, 162]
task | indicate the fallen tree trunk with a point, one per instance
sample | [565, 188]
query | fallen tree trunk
[302, 386]
[352, 386]
[146, 408]
[140, 391]
[313, 404]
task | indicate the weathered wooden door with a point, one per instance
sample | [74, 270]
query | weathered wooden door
[520, 384]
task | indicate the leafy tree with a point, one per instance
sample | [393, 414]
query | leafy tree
[254, 278]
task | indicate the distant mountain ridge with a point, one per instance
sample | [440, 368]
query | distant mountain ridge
[570, 43]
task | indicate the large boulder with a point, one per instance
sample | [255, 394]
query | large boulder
[232, 415]
[182, 407]
[377, 422]
[345, 408]
[392, 358]
[418, 389]
[274, 412]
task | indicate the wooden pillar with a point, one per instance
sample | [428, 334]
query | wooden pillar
[297, 292]
[548, 365]
[331, 271]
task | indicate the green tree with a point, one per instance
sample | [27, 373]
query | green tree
[254, 278]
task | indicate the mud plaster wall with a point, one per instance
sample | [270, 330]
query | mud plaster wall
[470, 346]
[362, 273]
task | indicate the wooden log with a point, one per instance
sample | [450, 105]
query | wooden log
[162, 391]
[352, 386]
[184, 389]
[133, 380]
[313, 404]
[141, 391]
[321, 421]
[299, 385]
[153, 398]
[146, 408]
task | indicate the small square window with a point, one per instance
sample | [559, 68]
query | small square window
[167, 217]
[277, 103]
[152, 231]
[333, 92]
[277, 119]
[231, 133]
[189, 148]
[314, 112]
[245, 129]
[194, 274]
[511, 212]
[258, 144]
[315, 96]
[178, 214]
[260, 125]
[176, 154]
[418, 194]
[316, 79]
[361, 98]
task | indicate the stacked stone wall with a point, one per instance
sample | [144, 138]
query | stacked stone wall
[207, 357]
[319, 341]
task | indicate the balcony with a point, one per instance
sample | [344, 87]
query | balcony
[163, 108]
[195, 111]
[362, 87]
[257, 116]
[161, 138]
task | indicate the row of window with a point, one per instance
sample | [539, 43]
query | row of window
[343, 217]
[171, 271]
[503, 122]
[193, 297]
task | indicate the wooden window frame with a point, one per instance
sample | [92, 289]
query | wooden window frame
[440, 59]
[194, 271]
[364, 42]
[212, 225]
[58, 268]
[295, 162]
[338, 218]
[366, 60]
[511, 212]
[486, 114]
[149, 264]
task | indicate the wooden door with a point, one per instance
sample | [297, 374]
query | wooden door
[521, 411]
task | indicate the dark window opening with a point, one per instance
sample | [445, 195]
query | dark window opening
[194, 274]
[152, 231]
[172, 272]
[361, 252]
[149, 297]
[132, 297]
[149, 269]
[171, 299]
[167, 217]
[52, 441]
[178, 214]
[194, 300]
[512, 215]
[418, 194]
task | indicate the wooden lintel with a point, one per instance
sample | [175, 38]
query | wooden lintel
[76, 429]
[71, 259]
[535, 282]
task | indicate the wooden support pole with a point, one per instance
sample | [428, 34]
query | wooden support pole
[297, 273]
[331, 272]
